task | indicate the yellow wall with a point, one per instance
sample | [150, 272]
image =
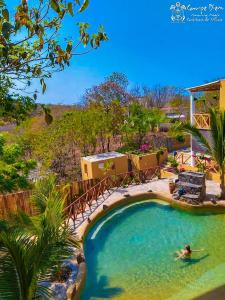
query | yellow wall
[213, 176]
[222, 95]
[146, 161]
[88, 175]
[94, 172]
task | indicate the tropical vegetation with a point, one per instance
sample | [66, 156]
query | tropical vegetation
[216, 148]
[14, 169]
[30, 47]
[33, 248]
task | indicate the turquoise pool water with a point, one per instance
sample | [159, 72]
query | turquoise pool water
[130, 254]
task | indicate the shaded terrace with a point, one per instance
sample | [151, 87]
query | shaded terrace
[202, 118]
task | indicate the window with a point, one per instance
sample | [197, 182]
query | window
[85, 169]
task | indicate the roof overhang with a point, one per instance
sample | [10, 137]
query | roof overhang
[211, 86]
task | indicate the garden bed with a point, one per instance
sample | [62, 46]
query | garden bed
[144, 161]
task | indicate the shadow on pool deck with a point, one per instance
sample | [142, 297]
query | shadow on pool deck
[216, 294]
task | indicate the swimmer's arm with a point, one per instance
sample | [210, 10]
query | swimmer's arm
[180, 256]
[198, 250]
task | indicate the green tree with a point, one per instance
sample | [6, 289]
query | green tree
[33, 248]
[83, 127]
[59, 145]
[137, 124]
[36, 53]
[155, 118]
[14, 107]
[110, 121]
[14, 170]
[110, 98]
[217, 148]
[31, 41]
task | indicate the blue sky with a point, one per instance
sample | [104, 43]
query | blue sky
[144, 44]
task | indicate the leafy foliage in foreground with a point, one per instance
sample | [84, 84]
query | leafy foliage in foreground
[33, 248]
[29, 38]
[33, 46]
[14, 170]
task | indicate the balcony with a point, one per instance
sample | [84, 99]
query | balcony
[202, 120]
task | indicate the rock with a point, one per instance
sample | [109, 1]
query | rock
[80, 258]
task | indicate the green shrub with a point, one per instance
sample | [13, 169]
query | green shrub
[172, 161]
[14, 170]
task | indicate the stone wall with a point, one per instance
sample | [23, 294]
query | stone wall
[191, 187]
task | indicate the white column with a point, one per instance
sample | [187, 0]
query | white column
[192, 111]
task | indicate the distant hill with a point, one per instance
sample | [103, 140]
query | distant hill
[57, 111]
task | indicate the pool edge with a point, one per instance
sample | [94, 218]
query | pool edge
[77, 288]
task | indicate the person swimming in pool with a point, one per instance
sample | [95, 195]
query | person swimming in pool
[186, 252]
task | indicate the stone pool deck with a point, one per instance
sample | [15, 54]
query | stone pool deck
[157, 186]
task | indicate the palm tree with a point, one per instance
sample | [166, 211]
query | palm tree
[216, 149]
[33, 248]
[156, 117]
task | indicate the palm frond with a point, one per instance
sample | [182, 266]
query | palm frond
[217, 132]
[34, 249]
[43, 188]
[9, 281]
[193, 130]
[14, 263]
[43, 292]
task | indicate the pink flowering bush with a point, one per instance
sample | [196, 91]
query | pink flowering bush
[144, 148]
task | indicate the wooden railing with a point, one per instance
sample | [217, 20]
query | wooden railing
[105, 188]
[13, 202]
[185, 159]
[202, 120]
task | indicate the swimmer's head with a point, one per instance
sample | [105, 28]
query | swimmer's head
[188, 248]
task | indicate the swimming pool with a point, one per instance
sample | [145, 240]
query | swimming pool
[130, 254]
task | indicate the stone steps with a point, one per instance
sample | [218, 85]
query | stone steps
[193, 185]
[190, 198]
[190, 187]
[192, 177]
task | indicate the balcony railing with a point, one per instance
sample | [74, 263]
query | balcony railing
[202, 121]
